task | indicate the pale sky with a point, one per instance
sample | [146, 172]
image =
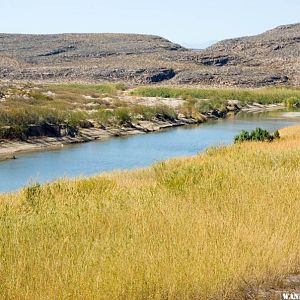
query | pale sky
[189, 22]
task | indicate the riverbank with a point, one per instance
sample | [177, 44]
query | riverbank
[10, 148]
[217, 225]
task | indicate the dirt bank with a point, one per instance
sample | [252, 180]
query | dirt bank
[9, 148]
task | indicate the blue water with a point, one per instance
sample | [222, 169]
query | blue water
[130, 152]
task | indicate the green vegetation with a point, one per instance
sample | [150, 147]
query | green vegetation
[123, 115]
[75, 105]
[14, 123]
[70, 104]
[256, 135]
[263, 96]
[292, 102]
[109, 89]
[203, 227]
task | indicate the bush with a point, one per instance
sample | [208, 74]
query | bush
[292, 102]
[103, 116]
[243, 136]
[256, 135]
[165, 112]
[147, 112]
[13, 132]
[122, 115]
[276, 134]
[75, 119]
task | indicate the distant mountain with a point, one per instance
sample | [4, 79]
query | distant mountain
[271, 58]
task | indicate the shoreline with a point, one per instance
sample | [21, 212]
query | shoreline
[9, 148]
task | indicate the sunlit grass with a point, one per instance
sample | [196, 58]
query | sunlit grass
[263, 96]
[192, 228]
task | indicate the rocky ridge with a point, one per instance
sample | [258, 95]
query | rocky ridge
[267, 59]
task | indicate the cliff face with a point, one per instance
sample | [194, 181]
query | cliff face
[271, 58]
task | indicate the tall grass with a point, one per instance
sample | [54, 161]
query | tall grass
[263, 96]
[194, 228]
[110, 89]
[70, 104]
[19, 119]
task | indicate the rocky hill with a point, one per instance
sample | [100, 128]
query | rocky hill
[271, 58]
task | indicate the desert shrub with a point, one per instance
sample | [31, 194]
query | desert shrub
[103, 116]
[122, 115]
[76, 118]
[147, 112]
[261, 135]
[166, 112]
[242, 136]
[256, 135]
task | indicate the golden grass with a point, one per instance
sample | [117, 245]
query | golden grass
[191, 228]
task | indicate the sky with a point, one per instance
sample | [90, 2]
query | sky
[189, 22]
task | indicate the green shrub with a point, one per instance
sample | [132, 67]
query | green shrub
[256, 135]
[242, 136]
[261, 135]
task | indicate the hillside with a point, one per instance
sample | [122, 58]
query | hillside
[271, 58]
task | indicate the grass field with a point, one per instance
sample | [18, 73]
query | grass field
[193, 228]
[263, 96]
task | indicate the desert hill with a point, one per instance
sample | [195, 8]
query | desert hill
[270, 58]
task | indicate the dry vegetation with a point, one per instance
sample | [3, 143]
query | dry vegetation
[76, 105]
[194, 228]
[290, 96]
[113, 105]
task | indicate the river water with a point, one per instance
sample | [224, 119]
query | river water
[134, 151]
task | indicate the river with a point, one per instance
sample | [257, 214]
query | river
[134, 151]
